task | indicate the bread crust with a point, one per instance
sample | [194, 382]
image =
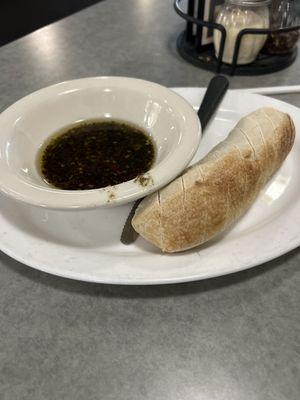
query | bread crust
[216, 191]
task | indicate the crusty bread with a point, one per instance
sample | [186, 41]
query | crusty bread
[213, 193]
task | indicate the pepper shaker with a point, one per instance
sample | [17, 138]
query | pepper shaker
[283, 15]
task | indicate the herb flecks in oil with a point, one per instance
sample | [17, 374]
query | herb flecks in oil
[96, 154]
[144, 180]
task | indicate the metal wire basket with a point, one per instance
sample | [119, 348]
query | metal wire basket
[190, 49]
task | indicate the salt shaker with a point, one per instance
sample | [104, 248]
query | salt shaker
[236, 15]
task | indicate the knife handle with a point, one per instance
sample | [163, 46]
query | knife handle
[215, 91]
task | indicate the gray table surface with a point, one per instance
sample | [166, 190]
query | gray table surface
[234, 337]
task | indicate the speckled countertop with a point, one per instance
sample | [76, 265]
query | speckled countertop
[234, 337]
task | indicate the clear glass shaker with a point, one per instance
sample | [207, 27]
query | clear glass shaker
[236, 15]
[283, 15]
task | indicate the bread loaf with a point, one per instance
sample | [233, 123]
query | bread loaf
[213, 193]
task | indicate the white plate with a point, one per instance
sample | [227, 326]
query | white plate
[85, 245]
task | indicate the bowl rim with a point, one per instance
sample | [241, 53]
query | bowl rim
[22, 190]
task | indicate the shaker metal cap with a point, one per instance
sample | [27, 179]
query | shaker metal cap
[250, 2]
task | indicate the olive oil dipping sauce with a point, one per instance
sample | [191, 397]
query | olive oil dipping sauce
[95, 154]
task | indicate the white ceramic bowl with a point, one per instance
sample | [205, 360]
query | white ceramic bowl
[24, 127]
